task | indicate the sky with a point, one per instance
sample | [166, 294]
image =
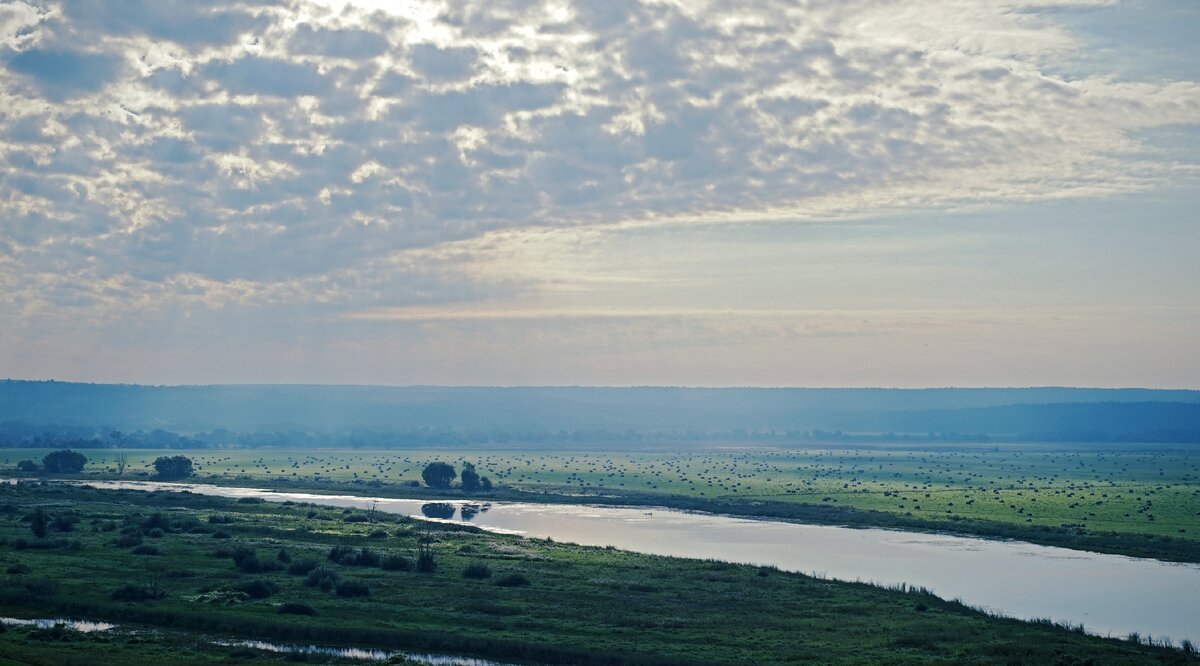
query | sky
[669, 192]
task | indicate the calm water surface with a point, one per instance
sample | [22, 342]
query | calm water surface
[1108, 594]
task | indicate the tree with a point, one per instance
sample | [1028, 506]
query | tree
[38, 523]
[173, 467]
[485, 483]
[438, 475]
[470, 478]
[64, 462]
[122, 461]
[27, 466]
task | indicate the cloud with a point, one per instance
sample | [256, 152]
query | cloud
[164, 151]
[182, 21]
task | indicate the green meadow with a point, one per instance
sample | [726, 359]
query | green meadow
[1146, 497]
[178, 571]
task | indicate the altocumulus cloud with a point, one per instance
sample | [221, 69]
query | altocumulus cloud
[156, 154]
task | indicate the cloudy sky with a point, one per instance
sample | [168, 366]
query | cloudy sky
[794, 192]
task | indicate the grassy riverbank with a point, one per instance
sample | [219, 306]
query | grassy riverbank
[490, 595]
[1139, 501]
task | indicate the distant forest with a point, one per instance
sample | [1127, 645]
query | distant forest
[56, 414]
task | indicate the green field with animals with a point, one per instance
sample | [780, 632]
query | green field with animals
[1133, 490]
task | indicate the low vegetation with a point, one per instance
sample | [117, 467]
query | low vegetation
[466, 592]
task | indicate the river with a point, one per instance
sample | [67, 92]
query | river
[1108, 594]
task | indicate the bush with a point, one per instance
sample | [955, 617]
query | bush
[438, 475]
[296, 608]
[221, 534]
[425, 561]
[64, 522]
[173, 467]
[515, 579]
[477, 571]
[350, 556]
[156, 533]
[39, 522]
[156, 521]
[17, 568]
[302, 567]
[28, 466]
[220, 519]
[146, 550]
[322, 577]
[136, 593]
[353, 588]
[283, 556]
[256, 589]
[396, 563]
[246, 560]
[128, 540]
[64, 462]
[378, 534]
[470, 478]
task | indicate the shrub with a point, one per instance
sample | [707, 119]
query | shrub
[155, 533]
[220, 519]
[173, 467]
[350, 556]
[64, 462]
[396, 563]
[27, 466]
[128, 540]
[221, 534]
[378, 534]
[156, 521]
[38, 522]
[302, 567]
[352, 588]
[256, 589]
[146, 549]
[438, 475]
[355, 518]
[17, 568]
[477, 571]
[137, 593]
[246, 560]
[283, 556]
[425, 560]
[64, 522]
[470, 478]
[515, 579]
[296, 608]
[322, 577]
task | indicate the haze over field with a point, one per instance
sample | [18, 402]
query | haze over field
[955, 192]
[83, 412]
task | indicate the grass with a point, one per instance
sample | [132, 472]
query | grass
[1129, 499]
[544, 602]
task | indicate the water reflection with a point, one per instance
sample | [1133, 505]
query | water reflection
[438, 510]
[83, 626]
[1108, 594]
[372, 654]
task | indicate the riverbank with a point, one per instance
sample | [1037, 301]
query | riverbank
[524, 600]
[1076, 537]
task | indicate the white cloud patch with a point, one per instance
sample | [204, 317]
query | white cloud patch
[157, 154]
